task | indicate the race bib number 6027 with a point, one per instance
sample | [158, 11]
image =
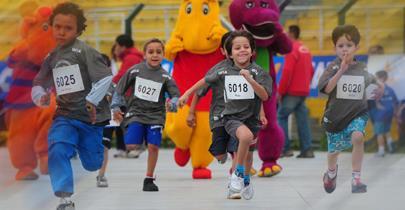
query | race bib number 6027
[147, 89]
[350, 87]
[67, 79]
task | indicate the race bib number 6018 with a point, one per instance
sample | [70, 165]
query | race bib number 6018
[67, 79]
[350, 87]
[238, 88]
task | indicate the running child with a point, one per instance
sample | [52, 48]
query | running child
[382, 113]
[146, 106]
[81, 79]
[246, 85]
[345, 117]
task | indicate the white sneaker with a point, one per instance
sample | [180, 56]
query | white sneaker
[66, 205]
[102, 181]
[236, 183]
[232, 194]
[247, 192]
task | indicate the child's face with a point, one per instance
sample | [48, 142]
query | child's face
[154, 54]
[345, 47]
[241, 51]
[64, 28]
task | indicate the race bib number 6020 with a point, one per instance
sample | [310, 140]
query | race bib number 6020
[238, 88]
[67, 79]
[350, 87]
[147, 89]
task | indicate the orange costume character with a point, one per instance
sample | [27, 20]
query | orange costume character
[28, 125]
[194, 48]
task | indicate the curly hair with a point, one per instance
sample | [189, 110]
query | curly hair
[68, 8]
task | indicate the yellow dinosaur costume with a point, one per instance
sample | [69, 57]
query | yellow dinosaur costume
[194, 49]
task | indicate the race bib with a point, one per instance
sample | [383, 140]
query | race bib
[238, 88]
[147, 89]
[350, 87]
[67, 79]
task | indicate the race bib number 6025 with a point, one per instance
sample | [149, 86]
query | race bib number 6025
[67, 79]
[350, 87]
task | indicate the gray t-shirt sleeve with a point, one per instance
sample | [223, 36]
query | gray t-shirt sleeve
[96, 65]
[203, 91]
[265, 80]
[172, 88]
[44, 76]
[211, 78]
[326, 76]
[126, 81]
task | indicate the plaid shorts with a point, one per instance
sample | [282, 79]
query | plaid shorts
[342, 140]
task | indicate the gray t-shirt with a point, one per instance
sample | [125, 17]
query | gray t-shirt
[217, 101]
[72, 70]
[241, 102]
[147, 103]
[348, 99]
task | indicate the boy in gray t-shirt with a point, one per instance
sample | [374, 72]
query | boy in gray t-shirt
[81, 78]
[146, 113]
[245, 88]
[345, 82]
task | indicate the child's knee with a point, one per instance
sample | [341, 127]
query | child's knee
[357, 138]
[92, 163]
[153, 148]
[244, 134]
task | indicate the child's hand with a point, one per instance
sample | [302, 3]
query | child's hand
[118, 116]
[245, 73]
[378, 93]
[263, 120]
[346, 61]
[45, 100]
[91, 109]
[191, 120]
[182, 100]
[171, 105]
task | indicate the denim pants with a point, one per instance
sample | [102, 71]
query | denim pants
[296, 104]
[66, 136]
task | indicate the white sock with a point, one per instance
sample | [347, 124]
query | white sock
[65, 199]
[381, 149]
[332, 173]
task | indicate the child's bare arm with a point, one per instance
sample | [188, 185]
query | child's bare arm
[184, 98]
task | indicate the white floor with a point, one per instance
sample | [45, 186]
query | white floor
[298, 187]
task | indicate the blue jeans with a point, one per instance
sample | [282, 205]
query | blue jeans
[66, 136]
[296, 104]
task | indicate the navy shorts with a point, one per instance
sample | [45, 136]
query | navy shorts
[222, 142]
[136, 133]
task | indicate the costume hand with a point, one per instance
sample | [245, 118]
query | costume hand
[278, 28]
[174, 46]
[91, 109]
[216, 33]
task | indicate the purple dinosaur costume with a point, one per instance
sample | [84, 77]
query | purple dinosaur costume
[260, 17]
